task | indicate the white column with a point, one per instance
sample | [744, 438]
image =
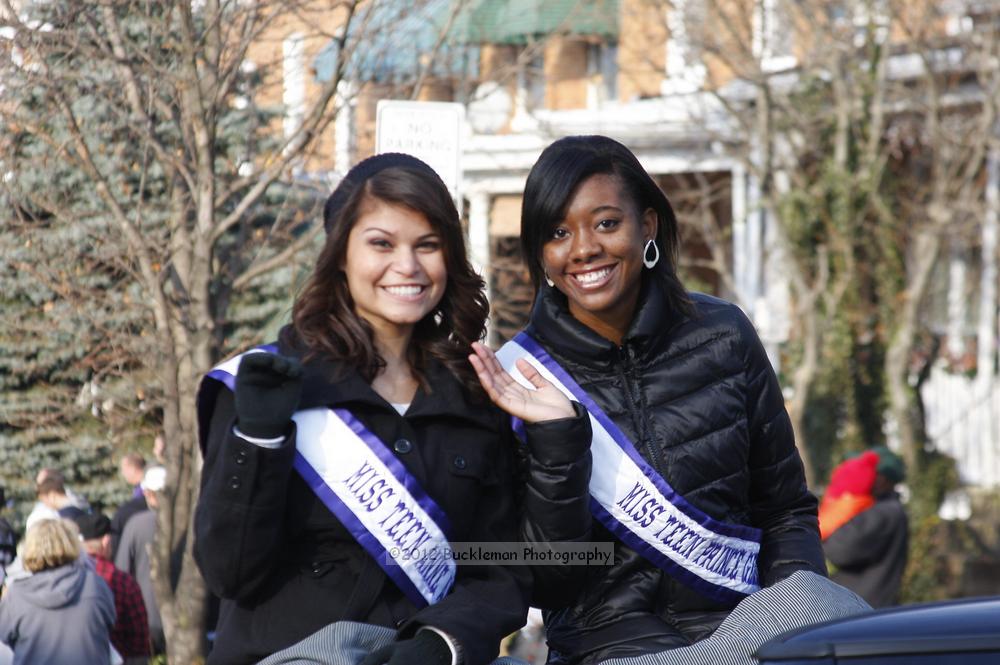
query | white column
[956, 299]
[479, 234]
[738, 203]
[776, 298]
[988, 328]
[293, 93]
[343, 128]
[752, 246]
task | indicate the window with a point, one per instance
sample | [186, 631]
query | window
[686, 27]
[861, 17]
[602, 74]
[530, 93]
[772, 34]
[531, 77]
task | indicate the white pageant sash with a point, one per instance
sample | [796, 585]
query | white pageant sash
[636, 504]
[370, 491]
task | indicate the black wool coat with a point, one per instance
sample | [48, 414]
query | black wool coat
[700, 401]
[285, 567]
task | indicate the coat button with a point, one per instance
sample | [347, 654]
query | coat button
[235, 483]
[459, 462]
[402, 446]
[241, 457]
[316, 568]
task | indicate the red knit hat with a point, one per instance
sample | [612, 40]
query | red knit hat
[854, 476]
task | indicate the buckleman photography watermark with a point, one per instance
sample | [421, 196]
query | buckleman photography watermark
[508, 554]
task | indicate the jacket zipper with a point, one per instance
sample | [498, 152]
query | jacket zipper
[626, 370]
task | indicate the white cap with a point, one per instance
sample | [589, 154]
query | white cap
[154, 480]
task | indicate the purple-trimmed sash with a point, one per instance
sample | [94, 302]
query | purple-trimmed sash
[370, 491]
[636, 504]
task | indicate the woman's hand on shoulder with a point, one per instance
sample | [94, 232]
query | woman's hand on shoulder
[544, 402]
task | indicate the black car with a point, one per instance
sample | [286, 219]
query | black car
[960, 632]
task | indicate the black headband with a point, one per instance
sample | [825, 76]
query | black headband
[364, 170]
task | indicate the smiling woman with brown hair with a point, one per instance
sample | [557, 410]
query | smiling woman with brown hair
[695, 473]
[361, 439]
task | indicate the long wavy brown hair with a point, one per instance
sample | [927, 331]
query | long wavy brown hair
[324, 318]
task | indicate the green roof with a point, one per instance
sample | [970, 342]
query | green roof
[397, 35]
[519, 21]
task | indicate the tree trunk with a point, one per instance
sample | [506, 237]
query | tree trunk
[802, 380]
[182, 605]
[902, 396]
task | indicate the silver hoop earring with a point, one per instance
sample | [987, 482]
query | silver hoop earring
[650, 262]
[548, 280]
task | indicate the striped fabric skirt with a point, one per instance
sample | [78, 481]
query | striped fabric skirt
[797, 601]
[344, 643]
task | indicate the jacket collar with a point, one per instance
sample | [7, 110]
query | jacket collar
[335, 384]
[559, 331]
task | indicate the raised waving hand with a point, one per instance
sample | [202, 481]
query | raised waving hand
[268, 389]
[545, 402]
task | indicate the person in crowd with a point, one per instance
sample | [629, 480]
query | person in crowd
[695, 476]
[8, 539]
[132, 468]
[160, 449]
[63, 612]
[62, 498]
[868, 543]
[361, 433]
[134, 548]
[130, 634]
[849, 492]
[52, 493]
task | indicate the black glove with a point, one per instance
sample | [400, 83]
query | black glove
[268, 387]
[424, 648]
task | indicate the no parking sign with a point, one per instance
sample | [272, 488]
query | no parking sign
[430, 131]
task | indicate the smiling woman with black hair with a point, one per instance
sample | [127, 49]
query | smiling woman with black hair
[695, 472]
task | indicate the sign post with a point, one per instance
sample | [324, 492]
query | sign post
[431, 131]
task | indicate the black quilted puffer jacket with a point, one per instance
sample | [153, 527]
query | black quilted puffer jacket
[700, 401]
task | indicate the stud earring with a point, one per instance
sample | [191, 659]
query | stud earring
[650, 262]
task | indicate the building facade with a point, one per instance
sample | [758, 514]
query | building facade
[677, 82]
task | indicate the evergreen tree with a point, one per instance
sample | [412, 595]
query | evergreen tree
[67, 371]
[131, 209]
[157, 222]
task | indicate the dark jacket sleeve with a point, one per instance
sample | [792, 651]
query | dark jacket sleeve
[487, 602]
[556, 504]
[780, 503]
[9, 618]
[863, 540]
[239, 519]
[124, 558]
[121, 517]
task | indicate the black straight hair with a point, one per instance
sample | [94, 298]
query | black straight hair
[557, 174]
